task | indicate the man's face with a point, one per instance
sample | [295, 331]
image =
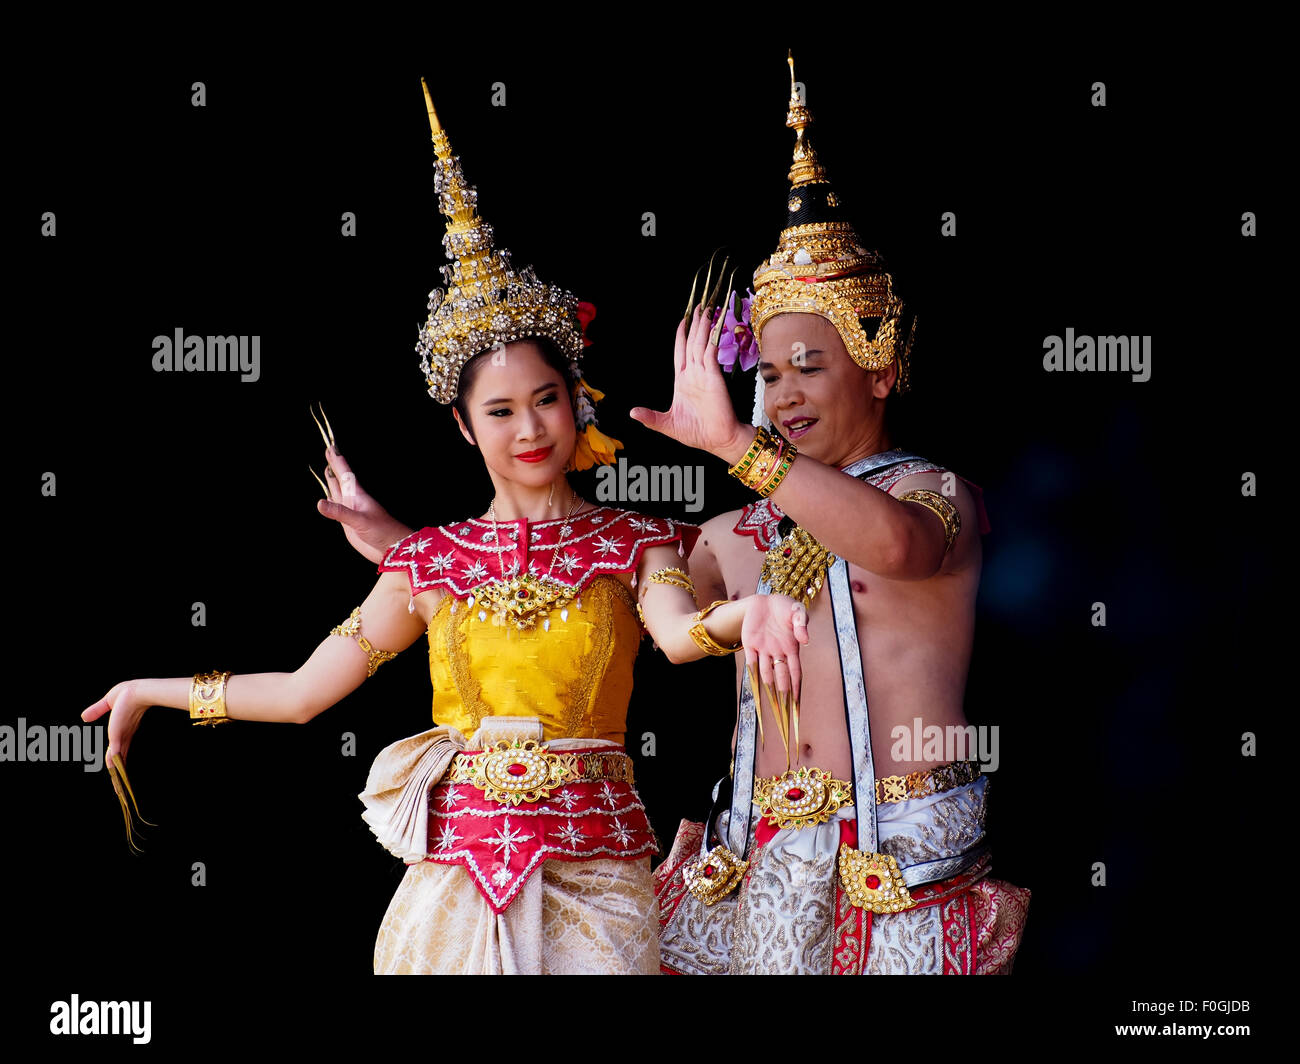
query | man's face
[816, 395]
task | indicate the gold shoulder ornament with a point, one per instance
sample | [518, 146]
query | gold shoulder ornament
[948, 513]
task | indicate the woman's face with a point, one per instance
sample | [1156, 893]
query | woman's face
[521, 415]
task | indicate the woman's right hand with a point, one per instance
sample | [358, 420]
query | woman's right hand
[368, 526]
[126, 705]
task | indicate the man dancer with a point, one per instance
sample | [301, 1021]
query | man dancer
[833, 848]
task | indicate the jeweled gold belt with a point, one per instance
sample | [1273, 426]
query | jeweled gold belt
[807, 796]
[525, 771]
[926, 782]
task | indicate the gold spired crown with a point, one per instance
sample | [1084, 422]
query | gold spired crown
[806, 168]
[820, 266]
[483, 301]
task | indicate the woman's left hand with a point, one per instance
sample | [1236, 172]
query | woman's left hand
[774, 628]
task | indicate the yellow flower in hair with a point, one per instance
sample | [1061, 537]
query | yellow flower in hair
[594, 447]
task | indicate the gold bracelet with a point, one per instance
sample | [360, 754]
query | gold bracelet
[208, 698]
[701, 635]
[766, 463]
[352, 628]
[785, 459]
[948, 513]
[747, 460]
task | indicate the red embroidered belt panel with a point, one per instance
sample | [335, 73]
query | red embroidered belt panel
[502, 845]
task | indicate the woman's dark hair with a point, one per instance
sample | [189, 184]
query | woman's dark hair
[469, 372]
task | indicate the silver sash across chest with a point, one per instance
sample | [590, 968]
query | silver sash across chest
[855, 703]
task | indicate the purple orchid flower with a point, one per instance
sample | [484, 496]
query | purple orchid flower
[736, 344]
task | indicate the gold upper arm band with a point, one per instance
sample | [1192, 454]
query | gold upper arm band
[671, 575]
[352, 628]
[948, 513]
[668, 575]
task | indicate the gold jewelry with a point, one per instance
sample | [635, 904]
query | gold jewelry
[674, 576]
[525, 771]
[801, 798]
[873, 881]
[701, 635]
[524, 597]
[821, 266]
[758, 464]
[352, 628]
[208, 698]
[948, 513]
[713, 876]
[926, 782]
[797, 566]
[486, 300]
[785, 459]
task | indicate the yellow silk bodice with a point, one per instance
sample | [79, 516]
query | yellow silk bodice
[574, 673]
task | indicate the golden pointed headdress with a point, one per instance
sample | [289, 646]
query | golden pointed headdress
[821, 267]
[484, 301]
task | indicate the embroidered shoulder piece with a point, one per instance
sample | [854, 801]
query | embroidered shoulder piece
[466, 555]
[762, 519]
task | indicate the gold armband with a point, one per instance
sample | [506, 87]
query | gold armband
[948, 513]
[208, 698]
[674, 576]
[766, 463]
[701, 635]
[352, 628]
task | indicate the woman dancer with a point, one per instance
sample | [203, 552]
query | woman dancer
[528, 847]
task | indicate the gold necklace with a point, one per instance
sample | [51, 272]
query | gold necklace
[524, 597]
[797, 566]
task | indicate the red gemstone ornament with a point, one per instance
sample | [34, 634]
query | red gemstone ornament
[708, 870]
[517, 769]
[873, 882]
[794, 794]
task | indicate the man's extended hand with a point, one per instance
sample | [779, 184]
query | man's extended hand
[368, 526]
[701, 414]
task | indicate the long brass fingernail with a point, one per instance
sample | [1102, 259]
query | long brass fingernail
[708, 280]
[716, 334]
[121, 768]
[321, 483]
[319, 427]
[690, 303]
[713, 293]
[328, 427]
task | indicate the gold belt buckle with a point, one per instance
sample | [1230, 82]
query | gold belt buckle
[515, 771]
[801, 797]
[873, 881]
[715, 875]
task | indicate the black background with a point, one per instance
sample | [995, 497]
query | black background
[1119, 744]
